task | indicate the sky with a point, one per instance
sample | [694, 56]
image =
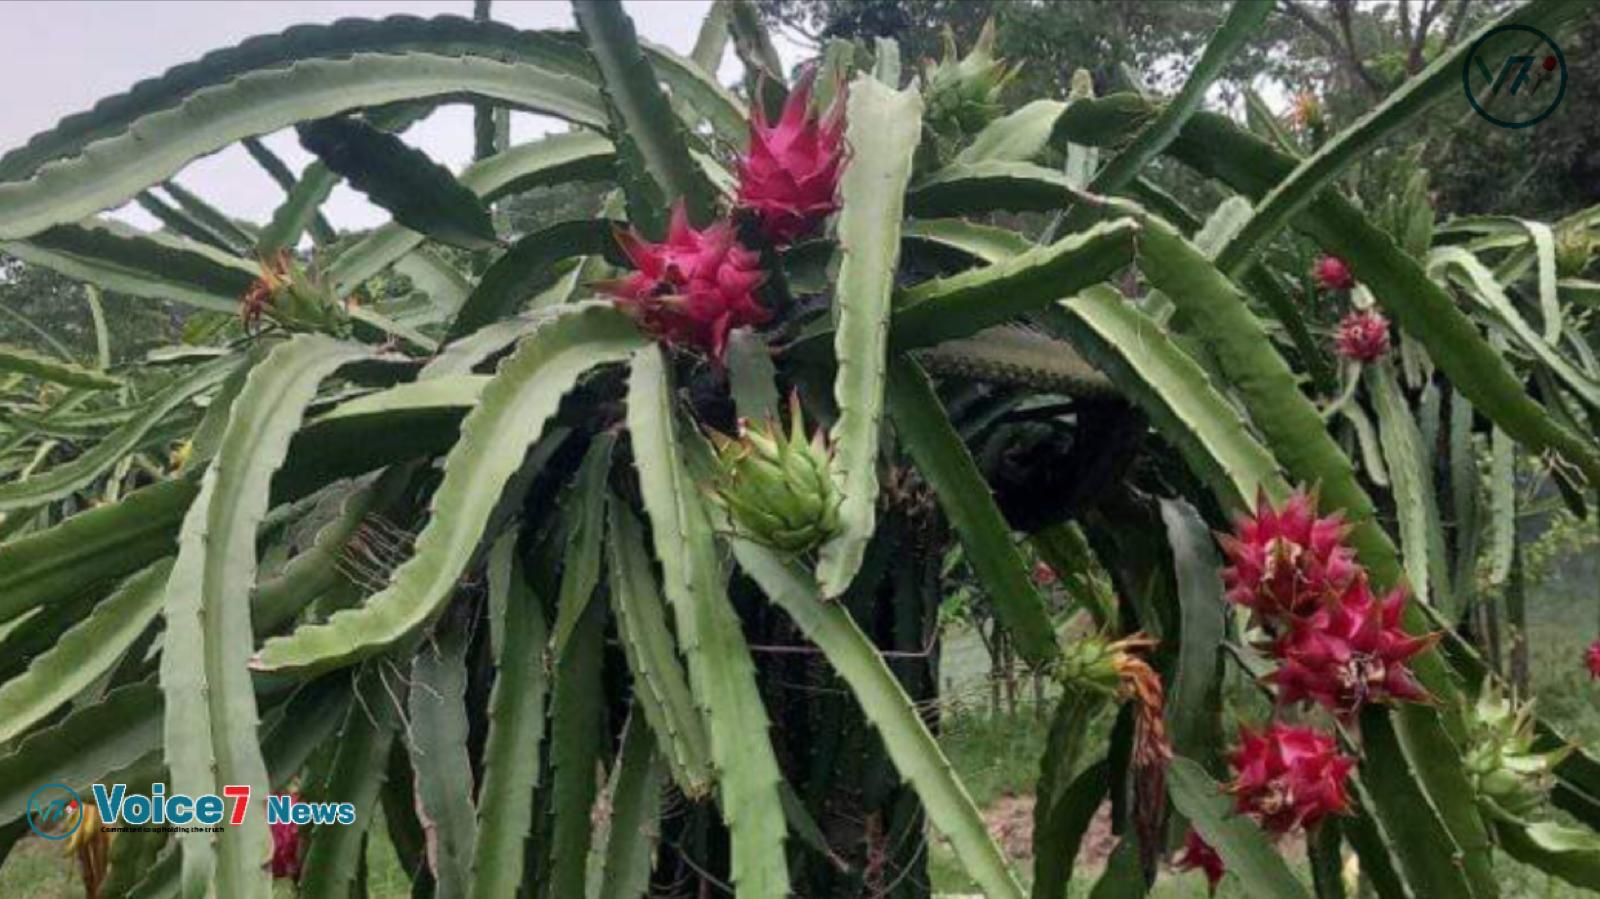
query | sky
[66, 54]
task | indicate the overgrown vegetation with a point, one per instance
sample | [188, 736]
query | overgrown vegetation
[611, 554]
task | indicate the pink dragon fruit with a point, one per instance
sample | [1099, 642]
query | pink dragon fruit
[1289, 776]
[1331, 273]
[1287, 562]
[286, 859]
[1363, 336]
[693, 288]
[790, 175]
[1350, 653]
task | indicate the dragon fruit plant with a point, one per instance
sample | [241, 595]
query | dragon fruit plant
[506, 539]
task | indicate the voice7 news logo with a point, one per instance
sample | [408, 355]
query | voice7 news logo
[1514, 76]
[55, 811]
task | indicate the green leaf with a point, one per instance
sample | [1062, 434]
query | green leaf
[303, 198]
[88, 746]
[395, 36]
[421, 194]
[912, 749]
[942, 459]
[576, 720]
[1019, 356]
[557, 159]
[635, 803]
[234, 238]
[37, 365]
[1066, 799]
[84, 653]
[158, 145]
[210, 700]
[1245, 850]
[1194, 701]
[1482, 284]
[985, 243]
[299, 210]
[1410, 466]
[721, 673]
[122, 259]
[510, 416]
[1123, 876]
[752, 379]
[1569, 853]
[661, 688]
[68, 477]
[1219, 313]
[884, 128]
[516, 726]
[1502, 505]
[299, 726]
[92, 547]
[1169, 386]
[696, 85]
[360, 763]
[1017, 137]
[1423, 309]
[437, 737]
[1436, 757]
[1428, 855]
[583, 510]
[962, 305]
[656, 169]
[1243, 19]
[1443, 77]
[527, 268]
[1544, 242]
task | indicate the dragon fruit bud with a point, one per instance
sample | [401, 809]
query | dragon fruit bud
[1574, 248]
[790, 175]
[1591, 658]
[1331, 273]
[1500, 757]
[1350, 653]
[293, 299]
[1289, 776]
[694, 287]
[1306, 112]
[1287, 562]
[1363, 336]
[963, 93]
[1117, 668]
[1043, 574]
[1198, 855]
[777, 488]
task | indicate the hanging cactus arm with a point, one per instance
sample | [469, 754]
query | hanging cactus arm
[883, 128]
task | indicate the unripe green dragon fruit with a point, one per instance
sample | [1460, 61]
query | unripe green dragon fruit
[1575, 247]
[1501, 760]
[963, 94]
[777, 488]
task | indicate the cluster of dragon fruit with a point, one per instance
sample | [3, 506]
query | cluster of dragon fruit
[696, 286]
[1338, 644]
